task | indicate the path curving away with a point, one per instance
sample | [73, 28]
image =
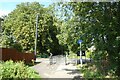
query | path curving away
[57, 70]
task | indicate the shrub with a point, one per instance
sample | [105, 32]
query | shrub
[94, 70]
[91, 72]
[10, 69]
[44, 55]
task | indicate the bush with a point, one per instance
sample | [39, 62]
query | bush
[91, 72]
[94, 70]
[10, 69]
[44, 55]
[88, 54]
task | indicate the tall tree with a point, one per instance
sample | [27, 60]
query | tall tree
[96, 24]
[20, 24]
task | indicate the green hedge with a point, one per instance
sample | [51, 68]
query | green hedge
[90, 71]
[10, 69]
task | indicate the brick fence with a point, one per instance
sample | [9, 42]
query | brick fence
[13, 54]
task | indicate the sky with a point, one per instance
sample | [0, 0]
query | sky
[6, 6]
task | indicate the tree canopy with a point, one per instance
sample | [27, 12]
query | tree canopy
[19, 27]
[97, 24]
[61, 25]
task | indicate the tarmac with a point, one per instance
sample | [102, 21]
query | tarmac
[56, 70]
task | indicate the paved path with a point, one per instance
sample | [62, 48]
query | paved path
[58, 70]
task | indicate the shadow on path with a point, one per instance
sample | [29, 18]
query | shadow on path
[72, 71]
[58, 70]
[37, 63]
[78, 78]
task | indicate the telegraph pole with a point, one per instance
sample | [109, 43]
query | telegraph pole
[36, 35]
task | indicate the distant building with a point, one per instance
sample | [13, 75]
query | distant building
[92, 48]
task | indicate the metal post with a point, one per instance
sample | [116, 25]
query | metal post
[51, 59]
[36, 35]
[80, 55]
[66, 58]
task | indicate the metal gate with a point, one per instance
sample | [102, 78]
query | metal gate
[62, 59]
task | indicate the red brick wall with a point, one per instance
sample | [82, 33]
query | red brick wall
[10, 53]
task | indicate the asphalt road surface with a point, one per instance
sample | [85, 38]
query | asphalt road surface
[58, 69]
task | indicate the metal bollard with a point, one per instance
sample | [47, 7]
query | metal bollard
[50, 59]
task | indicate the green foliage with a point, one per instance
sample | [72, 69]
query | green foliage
[72, 56]
[97, 24]
[44, 55]
[9, 69]
[91, 71]
[88, 54]
[21, 24]
[9, 42]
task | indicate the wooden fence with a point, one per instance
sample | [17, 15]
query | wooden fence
[13, 54]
